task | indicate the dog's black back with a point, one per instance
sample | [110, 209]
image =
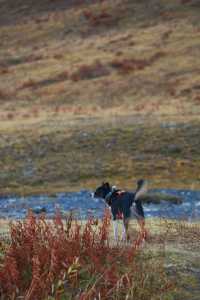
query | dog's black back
[121, 203]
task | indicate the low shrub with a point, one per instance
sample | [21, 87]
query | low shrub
[99, 18]
[30, 83]
[64, 260]
[94, 70]
[126, 65]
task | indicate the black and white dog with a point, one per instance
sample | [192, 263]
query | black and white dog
[124, 204]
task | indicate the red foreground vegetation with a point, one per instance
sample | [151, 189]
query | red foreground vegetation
[66, 260]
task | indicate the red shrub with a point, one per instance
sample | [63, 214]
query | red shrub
[166, 34]
[58, 56]
[58, 258]
[30, 83]
[33, 58]
[61, 76]
[126, 65]
[197, 100]
[10, 116]
[3, 95]
[100, 18]
[156, 56]
[90, 71]
[87, 14]
[4, 71]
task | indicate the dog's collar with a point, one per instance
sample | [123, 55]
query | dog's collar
[109, 195]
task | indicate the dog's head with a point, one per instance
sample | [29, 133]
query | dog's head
[102, 190]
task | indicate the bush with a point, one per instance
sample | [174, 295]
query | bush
[64, 260]
[126, 65]
[100, 18]
[90, 71]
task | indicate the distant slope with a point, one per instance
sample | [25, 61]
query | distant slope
[94, 89]
[119, 55]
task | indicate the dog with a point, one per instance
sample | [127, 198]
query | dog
[125, 205]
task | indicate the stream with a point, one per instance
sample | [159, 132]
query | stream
[83, 205]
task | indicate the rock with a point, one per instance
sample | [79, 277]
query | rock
[39, 210]
[156, 198]
[174, 148]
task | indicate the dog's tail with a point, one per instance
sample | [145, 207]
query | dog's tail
[142, 188]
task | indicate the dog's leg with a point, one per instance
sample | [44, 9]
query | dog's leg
[126, 224]
[143, 230]
[115, 229]
[123, 232]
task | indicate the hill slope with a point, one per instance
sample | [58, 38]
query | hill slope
[70, 70]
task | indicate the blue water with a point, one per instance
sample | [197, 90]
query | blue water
[83, 205]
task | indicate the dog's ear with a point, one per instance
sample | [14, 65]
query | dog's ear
[107, 184]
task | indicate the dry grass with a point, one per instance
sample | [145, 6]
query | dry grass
[75, 67]
[35, 56]
[70, 154]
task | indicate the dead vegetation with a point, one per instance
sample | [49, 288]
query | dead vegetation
[96, 70]
[127, 65]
